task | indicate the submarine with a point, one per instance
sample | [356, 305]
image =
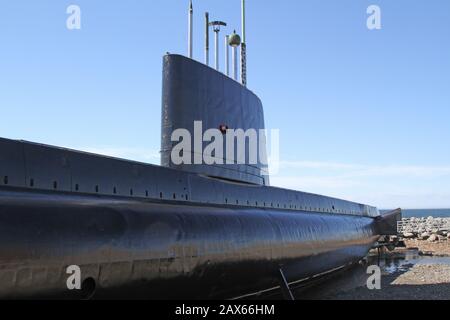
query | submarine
[175, 231]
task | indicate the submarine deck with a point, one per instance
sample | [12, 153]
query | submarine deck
[33, 166]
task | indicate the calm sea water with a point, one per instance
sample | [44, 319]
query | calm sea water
[419, 213]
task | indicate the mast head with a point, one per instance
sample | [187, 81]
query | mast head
[217, 25]
[234, 40]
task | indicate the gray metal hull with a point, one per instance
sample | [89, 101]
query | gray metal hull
[165, 250]
[176, 231]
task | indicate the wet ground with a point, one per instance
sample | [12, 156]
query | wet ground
[406, 275]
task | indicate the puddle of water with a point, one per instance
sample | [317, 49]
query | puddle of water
[402, 262]
[435, 260]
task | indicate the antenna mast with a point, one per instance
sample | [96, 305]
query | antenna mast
[243, 49]
[235, 41]
[216, 25]
[191, 30]
[207, 38]
[227, 55]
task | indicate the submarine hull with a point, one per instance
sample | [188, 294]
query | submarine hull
[156, 250]
[134, 230]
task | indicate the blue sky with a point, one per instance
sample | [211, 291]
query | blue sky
[364, 115]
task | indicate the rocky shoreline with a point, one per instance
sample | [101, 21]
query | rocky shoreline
[431, 236]
[426, 229]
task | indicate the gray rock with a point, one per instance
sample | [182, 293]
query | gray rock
[424, 235]
[433, 238]
[408, 235]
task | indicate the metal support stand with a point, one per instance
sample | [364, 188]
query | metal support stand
[287, 293]
[379, 256]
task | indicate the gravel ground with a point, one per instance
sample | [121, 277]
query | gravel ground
[426, 274]
[420, 282]
[437, 249]
[407, 275]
